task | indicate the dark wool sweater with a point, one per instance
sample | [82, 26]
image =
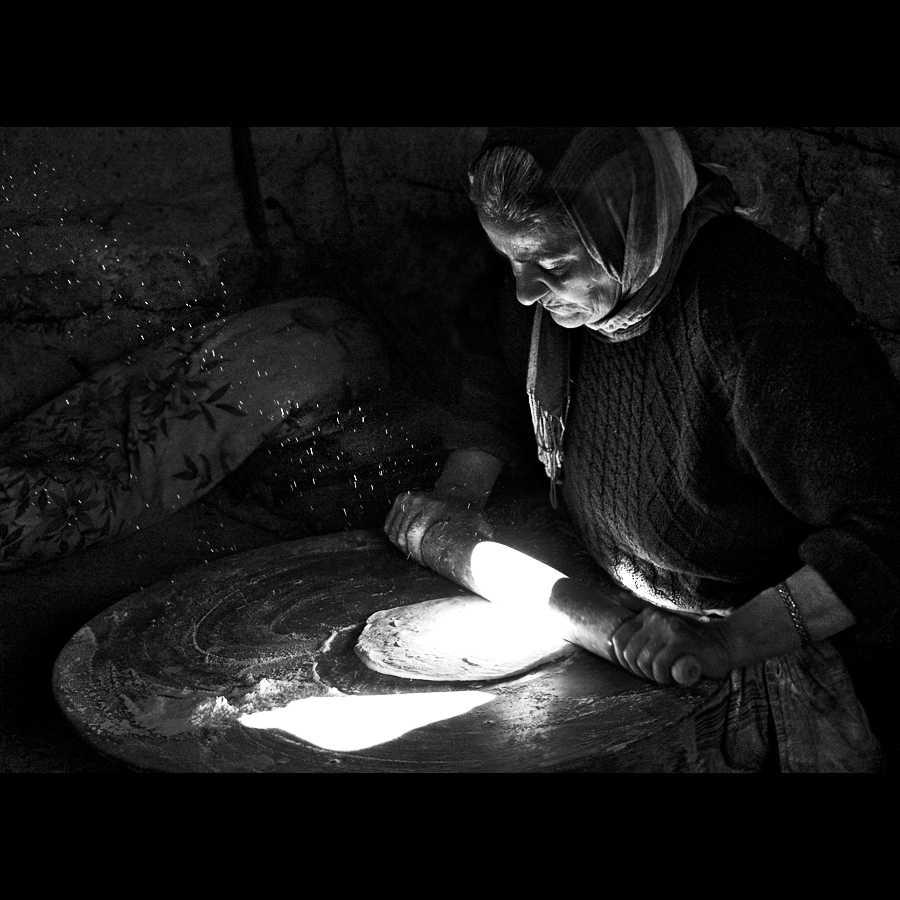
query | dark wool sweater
[753, 429]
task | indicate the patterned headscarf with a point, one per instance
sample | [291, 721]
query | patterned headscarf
[631, 194]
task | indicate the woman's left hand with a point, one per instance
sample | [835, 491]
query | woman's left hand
[650, 643]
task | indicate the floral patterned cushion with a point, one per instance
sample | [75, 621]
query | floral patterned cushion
[151, 433]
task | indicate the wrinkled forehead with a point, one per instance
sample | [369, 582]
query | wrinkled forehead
[623, 189]
[526, 243]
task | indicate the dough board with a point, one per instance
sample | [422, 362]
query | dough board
[169, 678]
[460, 638]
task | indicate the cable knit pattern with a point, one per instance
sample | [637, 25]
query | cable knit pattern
[753, 429]
[652, 477]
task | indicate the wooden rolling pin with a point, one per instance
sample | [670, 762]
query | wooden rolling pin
[507, 576]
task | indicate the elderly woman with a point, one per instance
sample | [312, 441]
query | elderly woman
[714, 420]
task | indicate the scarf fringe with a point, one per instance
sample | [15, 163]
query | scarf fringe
[548, 431]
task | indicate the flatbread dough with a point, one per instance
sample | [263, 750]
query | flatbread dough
[461, 638]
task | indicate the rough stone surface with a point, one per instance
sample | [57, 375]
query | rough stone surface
[111, 237]
[832, 194]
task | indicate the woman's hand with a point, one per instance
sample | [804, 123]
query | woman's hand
[414, 513]
[651, 642]
[461, 493]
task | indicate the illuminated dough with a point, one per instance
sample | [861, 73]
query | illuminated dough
[463, 638]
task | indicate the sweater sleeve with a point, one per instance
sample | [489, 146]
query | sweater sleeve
[817, 411]
[491, 413]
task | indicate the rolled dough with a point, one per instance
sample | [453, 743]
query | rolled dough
[460, 638]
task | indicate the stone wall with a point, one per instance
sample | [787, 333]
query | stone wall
[111, 237]
[834, 195]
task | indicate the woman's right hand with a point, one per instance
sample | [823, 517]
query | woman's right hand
[413, 513]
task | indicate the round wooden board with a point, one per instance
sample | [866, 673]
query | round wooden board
[162, 679]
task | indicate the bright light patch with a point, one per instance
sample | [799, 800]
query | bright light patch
[349, 723]
[494, 632]
[640, 587]
[508, 577]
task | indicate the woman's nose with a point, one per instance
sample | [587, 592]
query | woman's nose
[529, 288]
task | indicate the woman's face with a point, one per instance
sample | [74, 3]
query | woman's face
[556, 272]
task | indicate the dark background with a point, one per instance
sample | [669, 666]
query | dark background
[112, 237]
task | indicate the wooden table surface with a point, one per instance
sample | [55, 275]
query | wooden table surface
[162, 679]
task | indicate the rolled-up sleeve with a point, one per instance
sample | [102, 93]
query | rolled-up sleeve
[491, 412]
[818, 412]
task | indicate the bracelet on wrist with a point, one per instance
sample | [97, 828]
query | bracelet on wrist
[788, 599]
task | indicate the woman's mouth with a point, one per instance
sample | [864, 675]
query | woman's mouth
[561, 309]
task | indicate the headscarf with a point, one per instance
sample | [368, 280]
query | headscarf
[631, 194]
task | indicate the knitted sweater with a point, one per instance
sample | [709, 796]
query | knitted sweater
[753, 429]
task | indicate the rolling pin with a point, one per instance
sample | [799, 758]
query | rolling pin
[509, 577]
